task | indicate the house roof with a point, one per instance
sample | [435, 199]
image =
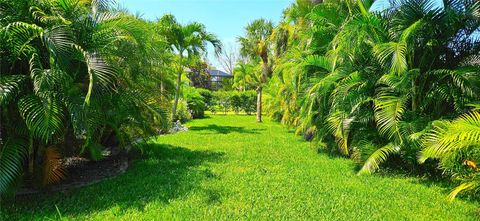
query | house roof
[218, 73]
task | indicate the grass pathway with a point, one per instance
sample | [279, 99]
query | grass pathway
[229, 167]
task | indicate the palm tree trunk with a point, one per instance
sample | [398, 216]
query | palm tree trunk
[259, 105]
[177, 94]
[68, 141]
[177, 87]
[31, 156]
[263, 80]
[414, 96]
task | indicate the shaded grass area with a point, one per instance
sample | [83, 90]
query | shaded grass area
[229, 167]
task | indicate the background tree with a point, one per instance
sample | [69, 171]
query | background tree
[256, 46]
[198, 74]
[228, 58]
[246, 77]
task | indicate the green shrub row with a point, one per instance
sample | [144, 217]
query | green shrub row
[225, 101]
[196, 101]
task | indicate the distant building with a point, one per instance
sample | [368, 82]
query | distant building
[212, 79]
[218, 77]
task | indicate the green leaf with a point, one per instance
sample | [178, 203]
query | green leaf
[43, 116]
[376, 158]
[10, 87]
[448, 137]
[318, 61]
[389, 110]
[12, 155]
[393, 55]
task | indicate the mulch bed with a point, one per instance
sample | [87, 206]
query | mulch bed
[83, 172]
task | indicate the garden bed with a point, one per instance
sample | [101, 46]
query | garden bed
[83, 172]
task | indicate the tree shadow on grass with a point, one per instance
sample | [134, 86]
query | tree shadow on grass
[166, 173]
[225, 129]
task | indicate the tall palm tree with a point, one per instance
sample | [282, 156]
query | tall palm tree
[256, 46]
[186, 41]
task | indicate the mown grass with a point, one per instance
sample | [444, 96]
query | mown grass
[229, 167]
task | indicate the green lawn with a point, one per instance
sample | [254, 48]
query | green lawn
[229, 167]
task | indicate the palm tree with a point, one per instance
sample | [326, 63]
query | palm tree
[256, 46]
[245, 77]
[186, 41]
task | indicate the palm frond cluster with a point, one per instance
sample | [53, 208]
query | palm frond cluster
[382, 86]
[75, 77]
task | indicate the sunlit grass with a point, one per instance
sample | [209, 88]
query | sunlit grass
[229, 167]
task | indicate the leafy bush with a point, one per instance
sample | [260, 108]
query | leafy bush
[207, 96]
[195, 102]
[248, 101]
[70, 86]
[225, 101]
[235, 102]
[222, 100]
[456, 145]
[372, 96]
[183, 114]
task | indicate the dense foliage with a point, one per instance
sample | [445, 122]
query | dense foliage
[381, 86]
[243, 101]
[76, 77]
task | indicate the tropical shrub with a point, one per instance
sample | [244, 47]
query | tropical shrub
[195, 102]
[222, 101]
[75, 76]
[207, 96]
[235, 101]
[248, 101]
[372, 82]
[183, 113]
[456, 145]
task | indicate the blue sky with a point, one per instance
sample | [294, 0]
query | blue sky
[225, 18]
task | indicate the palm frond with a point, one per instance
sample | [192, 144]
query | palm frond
[339, 125]
[22, 34]
[10, 87]
[463, 187]
[12, 154]
[389, 109]
[318, 61]
[447, 137]
[43, 116]
[378, 157]
[393, 56]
